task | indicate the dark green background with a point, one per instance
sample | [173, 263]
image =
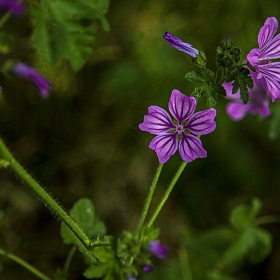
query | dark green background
[84, 140]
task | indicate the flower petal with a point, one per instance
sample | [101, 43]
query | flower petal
[202, 122]
[272, 49]
[180, 45]
[237, 110]
[156, 121]
[165, 145]
[181, 106]
[267, 31]
[253, 57]
[33, 75]
[190, 148]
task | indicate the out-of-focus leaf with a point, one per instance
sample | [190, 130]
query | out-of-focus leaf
[64, 29]
[244, 215]
[274, 128]
[254, 243]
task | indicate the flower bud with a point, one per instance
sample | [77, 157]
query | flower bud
[227, 43]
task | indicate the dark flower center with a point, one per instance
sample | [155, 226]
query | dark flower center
[179, 128]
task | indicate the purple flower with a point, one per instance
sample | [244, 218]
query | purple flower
[258, 100]
[32, 74]
[158, 249]
[16, 7]
[148, 268]
[264, 58]
[130, 278]
[159, 123]
[180, 45]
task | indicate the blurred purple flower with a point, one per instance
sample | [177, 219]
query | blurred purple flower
[265, 58]
[33, 75]
[16, 7]
[130, 278]
[258, 103]
[148, 268]
[180, 45]
[158, 249]
[165, 144]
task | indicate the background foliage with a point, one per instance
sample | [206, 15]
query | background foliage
[84, 140]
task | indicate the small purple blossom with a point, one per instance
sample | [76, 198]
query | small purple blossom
[264, 58]
[158, 249]
[16, 7]
[130, 278]
[168, 134]
[148, 268]
[258, 99]
[33, 75]
[180, 45]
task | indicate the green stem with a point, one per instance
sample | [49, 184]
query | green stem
[149, 198]
[267, 220]
[4, 19]
[46, 198]
[69, 259]
[167, 192]
[23, 263]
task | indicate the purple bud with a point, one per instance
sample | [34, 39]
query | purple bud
[33, 75]
[16, 7]
[148, 268]
[180, 45]
[158, 249]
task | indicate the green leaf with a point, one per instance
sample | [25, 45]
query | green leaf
[254, 243]
[196, 77]
[99, 270]
[244, 215]
[84, 214]
[219, 89]
[211, 95]
[64, 29]
[242, 81]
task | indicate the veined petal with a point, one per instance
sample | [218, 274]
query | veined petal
[267, 31]
[202, 122]
[271, 49]
[190, 148]
[165, 145]
[253, 57]
[156, 121]
[273, 86]
[181, 106]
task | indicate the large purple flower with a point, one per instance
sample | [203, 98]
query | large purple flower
[264, 58]
[33, 75]
[159, 123]
[16, 7]
[258, 99]
[180, 45]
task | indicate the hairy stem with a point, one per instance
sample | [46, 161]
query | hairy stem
[44, 196]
